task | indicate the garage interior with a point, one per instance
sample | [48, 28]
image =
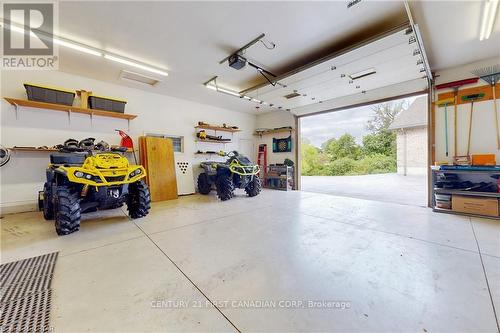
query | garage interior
[150, 167]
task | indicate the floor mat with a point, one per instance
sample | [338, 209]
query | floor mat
[26, 294]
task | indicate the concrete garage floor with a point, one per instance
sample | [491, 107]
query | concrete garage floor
[389, 187]
[391, 267]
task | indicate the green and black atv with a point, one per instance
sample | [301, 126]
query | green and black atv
[80, 180]
[236, 172]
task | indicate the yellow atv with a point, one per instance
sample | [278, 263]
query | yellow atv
[80, 182]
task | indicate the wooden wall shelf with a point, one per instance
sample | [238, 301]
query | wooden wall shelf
[49, 150]
[213, 141]
[28, 149]
[485, 89]
[66, 108]
[217, 128]
[273, 131]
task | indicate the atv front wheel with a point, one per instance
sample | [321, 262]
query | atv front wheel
[67, 211]
[48, 207]
[204, 186]
[225, 187]
[139, 200]
[253, 188]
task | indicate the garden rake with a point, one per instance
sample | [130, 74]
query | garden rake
[491, 75]
[471, 98]
[444, 103]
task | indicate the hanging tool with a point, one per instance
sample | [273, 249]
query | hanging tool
[491, 75]
[444, 103]
[455, 85]
[471, 98]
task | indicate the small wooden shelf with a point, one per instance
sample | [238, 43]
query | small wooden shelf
[213, 141]
[205, 153]
[67, 108]
[273, 131]
[217, 128]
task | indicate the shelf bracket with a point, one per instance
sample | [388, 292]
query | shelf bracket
[16, 108]
[91, 119]
[128, 125]
[69, 116]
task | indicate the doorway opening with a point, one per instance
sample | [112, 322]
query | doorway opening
[375, 152]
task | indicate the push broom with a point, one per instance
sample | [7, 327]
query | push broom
[471, 98]
[444, 103]
[455, 85]
[491, 75]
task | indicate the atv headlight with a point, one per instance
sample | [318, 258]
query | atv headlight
[80, 174]
[135, 173]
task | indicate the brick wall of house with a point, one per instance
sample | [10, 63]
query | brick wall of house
[412, 151]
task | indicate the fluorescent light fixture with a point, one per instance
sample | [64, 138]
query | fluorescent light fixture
[223, 90]
[361, 74]
[76, 47]
[488, 19]
[226, 91]
[134, 64]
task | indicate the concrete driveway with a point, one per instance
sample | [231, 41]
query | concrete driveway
[389, 187]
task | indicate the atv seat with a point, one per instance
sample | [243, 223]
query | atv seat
[68, 158]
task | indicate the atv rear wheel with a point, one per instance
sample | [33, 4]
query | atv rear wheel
[139, 200]
[48, 207]
[253, 188]
[67, 211]
[204, 186]
[225, 187]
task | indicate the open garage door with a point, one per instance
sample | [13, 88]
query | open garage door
[384, 67]
[388, 71]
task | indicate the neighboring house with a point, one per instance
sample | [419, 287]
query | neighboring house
[411, 128]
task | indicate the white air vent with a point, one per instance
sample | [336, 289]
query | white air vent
[138, 78]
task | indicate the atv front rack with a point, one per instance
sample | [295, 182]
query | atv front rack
[242, 170]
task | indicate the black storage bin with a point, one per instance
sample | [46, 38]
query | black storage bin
[49, 95]
[107, 104]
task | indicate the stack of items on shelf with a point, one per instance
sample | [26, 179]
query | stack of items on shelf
[40, 93]
[280, 176]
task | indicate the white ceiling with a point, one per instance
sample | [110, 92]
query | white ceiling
[189, 38]
[450, 30]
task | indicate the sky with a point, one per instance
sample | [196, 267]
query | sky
[320, 128]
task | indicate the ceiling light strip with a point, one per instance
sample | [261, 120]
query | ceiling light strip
[488, 19]
[85, 49]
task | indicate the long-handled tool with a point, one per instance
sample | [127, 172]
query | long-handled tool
[455, 85]
[471, 98]
[444, 103]
[491, 75]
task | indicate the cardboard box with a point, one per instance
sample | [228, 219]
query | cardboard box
[474, 205]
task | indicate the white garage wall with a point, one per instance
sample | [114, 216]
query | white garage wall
[483, 129]
[273, 120]
[23, 176]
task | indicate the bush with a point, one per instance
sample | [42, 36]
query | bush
[376, 163]
[341, 166]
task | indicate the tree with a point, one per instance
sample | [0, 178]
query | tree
[383, 142]
[345, 146]
[384, 115]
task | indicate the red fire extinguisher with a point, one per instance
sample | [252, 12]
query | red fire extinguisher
[127, 142]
